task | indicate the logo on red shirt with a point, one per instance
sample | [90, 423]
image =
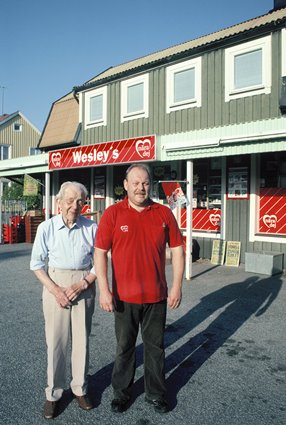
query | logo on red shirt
[124, 228]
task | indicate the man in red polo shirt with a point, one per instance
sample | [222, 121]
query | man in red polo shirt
[136, 230]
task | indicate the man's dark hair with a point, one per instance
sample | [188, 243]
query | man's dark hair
[138, 165]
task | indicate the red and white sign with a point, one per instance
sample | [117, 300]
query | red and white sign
[272, 211]
[204, 220]
[174, 194]
[120, 151]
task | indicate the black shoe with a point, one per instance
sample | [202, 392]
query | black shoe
[119, 405]
[160, 405]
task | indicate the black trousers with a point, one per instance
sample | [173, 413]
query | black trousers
[152, 319]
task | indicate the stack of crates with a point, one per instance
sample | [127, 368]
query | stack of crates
[12, 232]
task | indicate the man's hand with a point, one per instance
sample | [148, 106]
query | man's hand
[61, 297]
[174, 298]
[73, 291]
[106, 301]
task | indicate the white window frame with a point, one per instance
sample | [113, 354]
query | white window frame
[230, 54]
[283, 52]
[1, 151]
[19, 129]
[144, 113]
[195, 64]
[102, 91]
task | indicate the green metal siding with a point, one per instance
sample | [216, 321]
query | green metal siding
[214, 112]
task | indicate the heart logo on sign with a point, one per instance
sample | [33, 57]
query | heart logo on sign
[270, 220]
[143, 148]
[56, 159]
[215, 219]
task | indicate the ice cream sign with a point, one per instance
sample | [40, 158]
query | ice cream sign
[203, 220]
[119, 151]
[272, 211]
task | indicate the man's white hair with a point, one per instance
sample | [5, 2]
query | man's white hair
[65, 185]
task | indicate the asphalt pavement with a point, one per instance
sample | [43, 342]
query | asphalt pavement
[225, 352]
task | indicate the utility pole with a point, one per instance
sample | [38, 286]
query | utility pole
[3, 88]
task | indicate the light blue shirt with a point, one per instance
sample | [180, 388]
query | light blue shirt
[64, 248]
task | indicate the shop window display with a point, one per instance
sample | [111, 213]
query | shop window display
[272, 194]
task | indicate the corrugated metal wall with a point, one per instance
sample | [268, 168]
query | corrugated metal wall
[215, 112]
[20, 141]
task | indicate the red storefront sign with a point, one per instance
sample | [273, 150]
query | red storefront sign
[272, 211]
[120, 151]
[204, 220]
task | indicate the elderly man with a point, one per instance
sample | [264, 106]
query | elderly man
[62, 261]
[137, 230]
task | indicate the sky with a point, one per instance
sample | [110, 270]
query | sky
[50, 46]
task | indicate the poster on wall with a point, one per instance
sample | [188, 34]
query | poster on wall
[99, 187]
[272, 211]
[238, 183]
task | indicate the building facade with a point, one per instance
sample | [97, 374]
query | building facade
[217, 104]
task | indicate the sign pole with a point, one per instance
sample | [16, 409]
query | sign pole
[47, 196]
[189, 226]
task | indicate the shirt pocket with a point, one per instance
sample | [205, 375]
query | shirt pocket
[157, 234]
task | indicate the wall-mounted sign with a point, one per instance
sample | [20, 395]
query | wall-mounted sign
[238, 183]
[272, 211]
[120, 151]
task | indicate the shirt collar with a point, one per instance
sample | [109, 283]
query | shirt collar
[151, 205]
[59, 222]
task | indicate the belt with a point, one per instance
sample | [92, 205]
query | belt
[56, 269]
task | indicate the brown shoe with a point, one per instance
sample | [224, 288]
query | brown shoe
[50, 408]
[84, 402]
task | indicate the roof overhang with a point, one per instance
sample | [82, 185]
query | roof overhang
[24, 165]
[247, 138]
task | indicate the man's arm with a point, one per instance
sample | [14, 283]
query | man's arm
[178, 265]
[101, 267]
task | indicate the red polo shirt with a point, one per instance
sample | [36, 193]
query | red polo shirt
[138, 244]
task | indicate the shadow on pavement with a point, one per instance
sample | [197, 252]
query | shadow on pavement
[240, 301]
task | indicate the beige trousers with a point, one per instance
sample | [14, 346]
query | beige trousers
[65, 325]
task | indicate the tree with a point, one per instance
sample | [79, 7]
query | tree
[14, 192]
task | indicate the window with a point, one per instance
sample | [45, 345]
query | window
[183, 85]
[272, 194]
[134, 98]
[248, 69]
[5, 151]
[96, 107]
[34, 151]
[17, 127]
